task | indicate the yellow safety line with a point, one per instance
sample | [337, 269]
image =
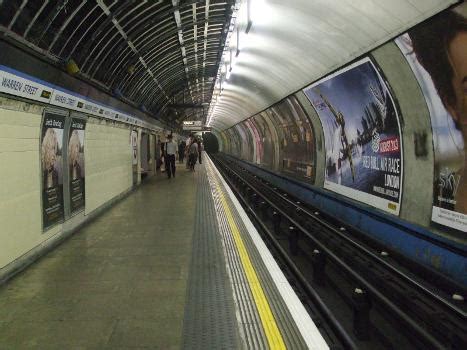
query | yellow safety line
[268, 321]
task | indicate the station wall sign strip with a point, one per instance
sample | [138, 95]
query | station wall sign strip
[193, 123]
[196, 128]
[19, 84]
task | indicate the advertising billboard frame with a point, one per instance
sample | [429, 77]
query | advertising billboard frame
[433, 70]
[387, 205]
[80, 118]
[48, 224]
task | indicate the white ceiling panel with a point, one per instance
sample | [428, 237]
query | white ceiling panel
[427, 5]
[403, 10]
[295, 42]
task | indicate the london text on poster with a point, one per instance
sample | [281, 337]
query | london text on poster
[436, 50]
[362, 135]
[52, 175]
[76, 164]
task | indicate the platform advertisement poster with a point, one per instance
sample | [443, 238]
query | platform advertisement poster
[235, 143]
[301, 148]
[51, 165]
[257, 141]
[362, 135]
[437, 53]
[266, 139]
[134, 146]
[76, 164]
[295, 135]
[246, 145]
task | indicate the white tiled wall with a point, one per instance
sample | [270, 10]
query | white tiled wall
[108, 173]
[20, 198]
[108, 162]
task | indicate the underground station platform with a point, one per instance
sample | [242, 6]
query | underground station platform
[176, 264]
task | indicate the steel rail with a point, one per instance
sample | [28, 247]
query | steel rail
[334, 323]
[401, 315]
[381, 261]
[376, 258]
[446, 303]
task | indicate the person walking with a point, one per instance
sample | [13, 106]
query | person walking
[187, 150]
[170, 150]
[181, 151]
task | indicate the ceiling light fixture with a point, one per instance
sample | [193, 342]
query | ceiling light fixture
[240, 22]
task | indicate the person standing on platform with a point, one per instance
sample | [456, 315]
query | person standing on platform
[193, 155]
[163, 157]
[170, 151]
[181, 151]
[200, 149]
[187, 150]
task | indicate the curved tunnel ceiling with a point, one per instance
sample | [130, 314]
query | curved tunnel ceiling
[293, 43]
[164, 56]
[161, 56]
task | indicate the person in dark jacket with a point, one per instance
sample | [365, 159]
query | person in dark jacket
[193, 155]
[170, 150]
[181, 151]
[198, 141]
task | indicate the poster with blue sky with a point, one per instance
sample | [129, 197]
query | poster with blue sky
[362, 135]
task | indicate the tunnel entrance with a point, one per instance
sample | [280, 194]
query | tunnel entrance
[211, 144]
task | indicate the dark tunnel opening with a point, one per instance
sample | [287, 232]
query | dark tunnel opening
[211, 144]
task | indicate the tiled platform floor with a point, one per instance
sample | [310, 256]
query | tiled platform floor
[120, 282]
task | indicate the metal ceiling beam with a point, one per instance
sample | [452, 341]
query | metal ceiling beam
[178, 22]
[105, 37]
[130, 44]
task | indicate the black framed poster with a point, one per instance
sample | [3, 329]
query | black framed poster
[76, 164]
[51, 168]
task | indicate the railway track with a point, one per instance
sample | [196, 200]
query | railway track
[368, 295]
